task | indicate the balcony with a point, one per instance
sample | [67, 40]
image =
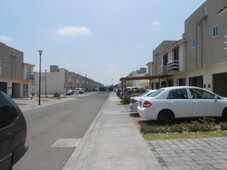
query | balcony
[30, 76]
[162, 70]
[173, 66]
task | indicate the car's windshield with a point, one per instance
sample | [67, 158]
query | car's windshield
[155, 93]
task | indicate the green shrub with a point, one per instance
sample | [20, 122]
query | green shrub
[134, 94]
[208, 121]
[223, 125]
[177, 128]
[203, 125]
[152, 129]
[196, 126]
[126, 99]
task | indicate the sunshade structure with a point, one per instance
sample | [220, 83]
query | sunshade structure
[159, 77]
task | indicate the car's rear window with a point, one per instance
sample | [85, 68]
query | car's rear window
[155, 93]
[7, 111]
[145, 93]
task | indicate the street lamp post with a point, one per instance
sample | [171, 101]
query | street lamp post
[40, 53]
[85, 84]
[46, 83]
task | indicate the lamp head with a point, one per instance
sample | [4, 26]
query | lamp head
[40, 52]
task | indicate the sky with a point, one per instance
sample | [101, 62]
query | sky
[103, 39]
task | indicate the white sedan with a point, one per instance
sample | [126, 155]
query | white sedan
[134, 101]
[166, 104]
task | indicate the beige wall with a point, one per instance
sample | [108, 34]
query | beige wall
[209, 50]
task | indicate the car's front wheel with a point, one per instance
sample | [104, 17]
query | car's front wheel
[224, 115]
[166, 117]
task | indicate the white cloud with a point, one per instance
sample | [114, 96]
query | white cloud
[5, 39]
[72, 31]
[156, 24]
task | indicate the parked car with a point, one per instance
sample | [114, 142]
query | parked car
[167, 104]
[131, 90]
[69, 92]
[134, 101]
[13, 132]
[79, 90]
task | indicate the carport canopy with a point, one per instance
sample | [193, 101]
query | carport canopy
[159, 77]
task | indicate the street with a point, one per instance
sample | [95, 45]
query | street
[55, 130]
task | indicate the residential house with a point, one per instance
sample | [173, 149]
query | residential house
[199, 58]
[15, 76]
[138, 83]
[59, 80]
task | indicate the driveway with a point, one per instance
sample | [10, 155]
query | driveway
[198, 153]
[188, 154]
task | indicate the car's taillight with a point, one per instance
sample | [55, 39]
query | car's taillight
[134, 100]
[147, 104]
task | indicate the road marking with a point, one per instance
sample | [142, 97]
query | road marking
[66, 142]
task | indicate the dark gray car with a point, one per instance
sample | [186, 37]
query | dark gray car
[13, 132]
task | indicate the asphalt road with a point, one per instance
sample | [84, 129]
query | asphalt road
[64, 123]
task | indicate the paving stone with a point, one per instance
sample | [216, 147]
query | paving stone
[218, 166]
[200, 153]
[173, 168]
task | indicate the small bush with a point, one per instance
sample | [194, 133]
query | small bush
[152, 129]
[208, 121]
[126, 99]
[149, 129]
[223, 125]
[203, 126]
[177, 128]
[134, 94]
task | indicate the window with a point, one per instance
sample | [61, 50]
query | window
[193, 43]
[182, 82]
[176, 54]
[201, 94]
[163, 84]
[25, 90]
[165, 60]
[170, 82]
[215, 31]
[178, 94]
[196, 81]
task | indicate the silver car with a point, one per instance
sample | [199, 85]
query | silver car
[134, 101]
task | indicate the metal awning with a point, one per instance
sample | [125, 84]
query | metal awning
[145, 77]
[124, 79]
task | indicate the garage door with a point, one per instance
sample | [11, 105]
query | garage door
[220, 84]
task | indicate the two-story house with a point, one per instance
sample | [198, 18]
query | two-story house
[15, 76]
[59, 80]
[199, 58]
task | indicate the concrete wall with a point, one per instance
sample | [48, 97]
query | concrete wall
[198, 27]
[11, 62]
[51, 82]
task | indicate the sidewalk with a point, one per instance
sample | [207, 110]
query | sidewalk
[112, 142]
[26, 104]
